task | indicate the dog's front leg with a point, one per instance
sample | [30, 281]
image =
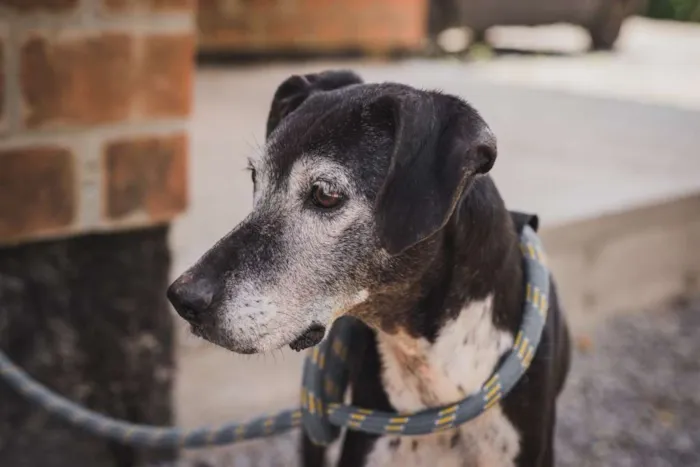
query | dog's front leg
[311, 454]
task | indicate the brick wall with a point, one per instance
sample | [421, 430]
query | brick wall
[311, 25]
[94, 98]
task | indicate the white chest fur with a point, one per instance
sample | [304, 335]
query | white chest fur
[417, 375]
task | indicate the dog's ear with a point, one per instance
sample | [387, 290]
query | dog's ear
[296, 89]
[441, 145]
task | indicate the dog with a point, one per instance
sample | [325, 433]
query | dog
[374, 201]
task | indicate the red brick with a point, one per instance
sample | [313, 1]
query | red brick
[147, 174]
[48, 5]
[312, 24]
[37, 191]
[2, 83]
[121, 6]
[102, 78]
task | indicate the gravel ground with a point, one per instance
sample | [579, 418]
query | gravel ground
[632, 399]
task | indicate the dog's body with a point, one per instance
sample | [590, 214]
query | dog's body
[372, 201]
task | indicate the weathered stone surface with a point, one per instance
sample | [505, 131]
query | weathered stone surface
[88, 317]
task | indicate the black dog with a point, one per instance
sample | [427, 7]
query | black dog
[372, 200]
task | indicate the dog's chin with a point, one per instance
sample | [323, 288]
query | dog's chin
[214, 338]
[313, 335]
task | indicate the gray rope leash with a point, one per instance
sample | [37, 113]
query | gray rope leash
[137, 434]
[325, 380]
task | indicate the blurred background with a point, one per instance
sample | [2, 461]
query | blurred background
[124, 131]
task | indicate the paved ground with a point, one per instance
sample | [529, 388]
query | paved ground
[654, 62]
[632, 400]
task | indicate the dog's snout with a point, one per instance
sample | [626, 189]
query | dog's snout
[191, 296]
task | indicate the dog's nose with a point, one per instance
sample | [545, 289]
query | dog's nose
[190, 296]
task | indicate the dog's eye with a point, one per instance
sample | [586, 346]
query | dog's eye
[322, 197]
[252, 174]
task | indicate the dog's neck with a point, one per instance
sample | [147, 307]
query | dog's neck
[476, 255]
[442, 338]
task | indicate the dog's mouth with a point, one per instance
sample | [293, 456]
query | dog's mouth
[312, 336]
[210, 335]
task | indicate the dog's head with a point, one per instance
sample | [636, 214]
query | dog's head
[351, 193]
